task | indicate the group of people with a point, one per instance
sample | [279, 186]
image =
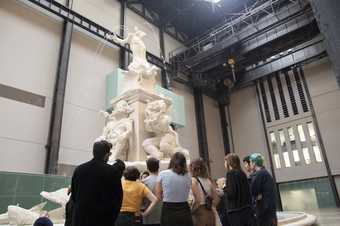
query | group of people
[249, 200]
[182, 195]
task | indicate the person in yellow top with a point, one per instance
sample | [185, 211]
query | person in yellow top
[133, 194]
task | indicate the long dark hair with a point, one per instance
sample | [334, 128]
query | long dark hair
[198, 168]
[178, 163]
[233, 161]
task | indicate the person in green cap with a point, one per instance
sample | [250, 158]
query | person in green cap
[263, 192]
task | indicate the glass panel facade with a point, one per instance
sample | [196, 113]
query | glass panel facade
[307, 195]
[337, 182]
[24, 189]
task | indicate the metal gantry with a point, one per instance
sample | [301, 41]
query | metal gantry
[231, 29]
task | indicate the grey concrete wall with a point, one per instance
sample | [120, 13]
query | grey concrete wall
[188, 134]
[326, 100]
[103, 12]
[29, 44]
[90, 62]
[248, 132]
[214, 136]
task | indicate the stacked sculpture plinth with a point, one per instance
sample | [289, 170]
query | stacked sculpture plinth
[139, 125]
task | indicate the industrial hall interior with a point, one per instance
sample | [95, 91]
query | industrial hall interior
[170, 112]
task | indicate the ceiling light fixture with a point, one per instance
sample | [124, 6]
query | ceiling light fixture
[213, 1]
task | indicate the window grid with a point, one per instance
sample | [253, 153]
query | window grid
[294, 145]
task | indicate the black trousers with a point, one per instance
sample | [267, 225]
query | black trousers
[243, 217]
[176, 214]
[68, 213]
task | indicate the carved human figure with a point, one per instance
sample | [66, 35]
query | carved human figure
[59, 196]
[118, 129]
[6, 218]
[139, 64]
[20, 216]
[165, 141]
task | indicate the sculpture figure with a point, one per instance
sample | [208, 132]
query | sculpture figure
[4, 218]
[118, 129]
[20, 216]
[165, 141]
[60, 196]
[139, 65]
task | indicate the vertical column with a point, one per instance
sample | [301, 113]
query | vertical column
[53, 142]
[164, 75]
[123, 55]
[200, 124]
[327, 14]
[224, 127]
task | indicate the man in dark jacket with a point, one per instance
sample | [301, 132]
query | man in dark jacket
[263, 192]
[96, 189]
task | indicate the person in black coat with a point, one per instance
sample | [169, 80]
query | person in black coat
[237, 193]
[68, 210]
[96, 189]
[263, 192]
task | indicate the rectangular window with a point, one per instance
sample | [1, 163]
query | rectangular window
[284, 148]
[286, 159]
[296, 157]
[301, 133]
[277, 161]
[303, 142]
[306, 156]
[317, 154]
[293, 146]
[314, 142]
[274, 147]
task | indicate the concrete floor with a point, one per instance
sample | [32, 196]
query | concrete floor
[327, 217]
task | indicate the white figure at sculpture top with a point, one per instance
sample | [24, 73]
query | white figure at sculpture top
[118, 129]
[165, 141]
[139, 64]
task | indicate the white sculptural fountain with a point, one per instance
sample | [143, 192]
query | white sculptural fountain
[139, 126]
